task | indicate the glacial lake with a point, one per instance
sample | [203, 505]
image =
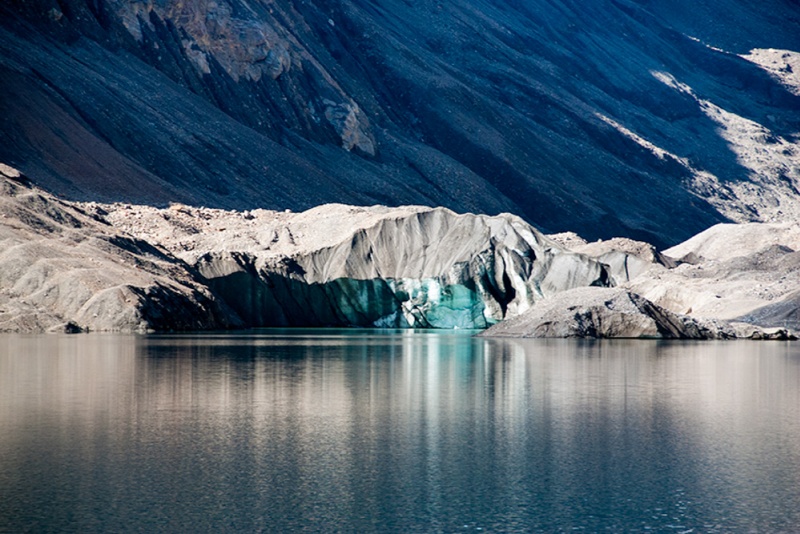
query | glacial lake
[396, 431]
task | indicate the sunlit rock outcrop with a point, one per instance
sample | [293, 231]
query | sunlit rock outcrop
[748, 272]
[626, 259]
[618, 313]
[603, 313]
[351, 266]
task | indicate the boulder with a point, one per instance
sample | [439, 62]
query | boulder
[595, 312]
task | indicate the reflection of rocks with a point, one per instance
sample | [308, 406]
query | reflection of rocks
[64, 270]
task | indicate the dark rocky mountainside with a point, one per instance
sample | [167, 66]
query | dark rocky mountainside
[651, 120]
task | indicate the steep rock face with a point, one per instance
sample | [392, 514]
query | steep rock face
[247, 42]
[340, 265]
[639, 119]
[62, 269]
[618, 313]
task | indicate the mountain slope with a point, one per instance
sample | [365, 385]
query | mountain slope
[615, 117]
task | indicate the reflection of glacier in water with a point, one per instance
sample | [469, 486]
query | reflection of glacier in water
[415, 431]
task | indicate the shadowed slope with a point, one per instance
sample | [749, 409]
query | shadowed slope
[608, 118]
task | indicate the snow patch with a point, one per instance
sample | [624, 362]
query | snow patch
[714, 48]
[659, 152]
[783, 65]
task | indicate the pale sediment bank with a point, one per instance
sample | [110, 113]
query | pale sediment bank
[117, 267]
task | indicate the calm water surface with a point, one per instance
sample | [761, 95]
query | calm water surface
[343, 430]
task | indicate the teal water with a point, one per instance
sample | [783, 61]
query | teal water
[396, 431]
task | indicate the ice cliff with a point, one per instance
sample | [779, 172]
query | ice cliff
[91, 267]
[339, 265]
